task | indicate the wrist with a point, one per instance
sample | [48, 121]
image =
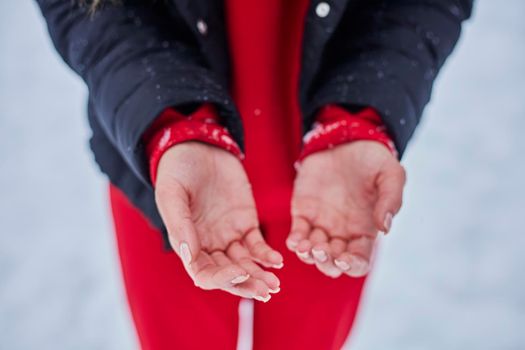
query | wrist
[172, 128]
[335, 125]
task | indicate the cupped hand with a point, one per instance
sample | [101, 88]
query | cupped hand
[342, 198]
[205, 200]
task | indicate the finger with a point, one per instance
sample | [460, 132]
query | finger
[269, 279]
[337, 247]
[173, 204]
[390, 185]
[319, 250]
[252, 288]
[244, 285]
[324, 262]
[216, 271]
[202, 261]
[299, 231]
[303, 251]
[241, 256]
[222, 260]
[351, 265]
[261, 251]
[304, 247]
[355, 261]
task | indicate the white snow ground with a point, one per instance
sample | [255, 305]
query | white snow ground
[450, 275]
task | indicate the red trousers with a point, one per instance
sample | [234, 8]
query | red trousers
[311, 311]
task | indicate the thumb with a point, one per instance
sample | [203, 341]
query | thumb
[173, 204]
[390, 183]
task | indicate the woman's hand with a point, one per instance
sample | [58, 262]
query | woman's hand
[206, 203]
[342, 198]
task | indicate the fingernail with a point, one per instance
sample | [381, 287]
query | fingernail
[276, 290]
[278, 266]
[263, 299]
[303, 255]
[240, 279]
[359, 266]
[292, 242]
[184, 251]
[343, 265]
[388, 221]
[319, 255]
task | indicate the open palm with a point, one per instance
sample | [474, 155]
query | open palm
[206, 203]
[342, 197]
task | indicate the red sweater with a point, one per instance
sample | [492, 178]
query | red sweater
[265, 50]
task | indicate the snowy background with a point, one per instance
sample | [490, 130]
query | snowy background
[450, 276]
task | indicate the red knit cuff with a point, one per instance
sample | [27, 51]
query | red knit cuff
[172, 127]
[335, 125]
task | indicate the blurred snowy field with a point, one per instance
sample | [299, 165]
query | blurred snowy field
[450, 275]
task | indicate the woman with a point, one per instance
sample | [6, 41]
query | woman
[201, 109]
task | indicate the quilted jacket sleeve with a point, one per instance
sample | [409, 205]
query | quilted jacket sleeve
[136, 61]
[386, 55]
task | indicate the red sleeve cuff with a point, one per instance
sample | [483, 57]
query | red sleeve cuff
[172, 127]
[335, 125]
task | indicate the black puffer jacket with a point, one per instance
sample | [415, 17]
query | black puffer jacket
[140, 57]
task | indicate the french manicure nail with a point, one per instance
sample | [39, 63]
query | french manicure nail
[278, 266]
[263, 299]
[343, 265]
[276, 290]
[360, 266]
[303, 255]
[240, 279]
[184, 251]
[292, 242]
[388, 221]
[320, 255]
